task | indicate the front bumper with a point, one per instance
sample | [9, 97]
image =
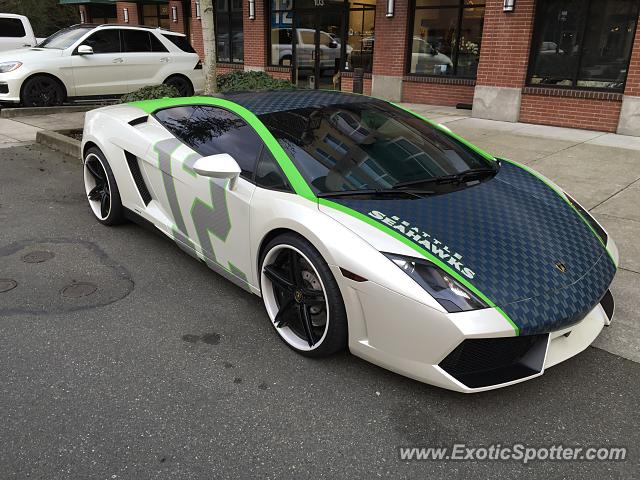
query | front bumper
[10, 85]
[410, 338]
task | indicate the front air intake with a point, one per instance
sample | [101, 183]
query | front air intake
[482, 362]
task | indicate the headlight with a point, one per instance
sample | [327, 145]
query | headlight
[451, 294]
[590, 220]
[7, 67]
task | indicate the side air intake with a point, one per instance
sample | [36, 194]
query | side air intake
[134, 168]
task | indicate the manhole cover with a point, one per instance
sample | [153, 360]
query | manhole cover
[7, 284]
[77, 290]
[37, 257]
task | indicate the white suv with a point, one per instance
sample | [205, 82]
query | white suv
[98, 60]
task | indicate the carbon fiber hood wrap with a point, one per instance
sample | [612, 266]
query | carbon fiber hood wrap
[506, 236]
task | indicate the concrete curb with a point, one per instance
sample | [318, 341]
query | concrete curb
[29, 111]
[60, 142]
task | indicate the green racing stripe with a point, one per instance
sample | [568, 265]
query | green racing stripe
[293, 175]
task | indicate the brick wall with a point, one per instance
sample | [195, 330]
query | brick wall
[589, 114]
[132, 8]
[506, 40]
[196, 31]
[346, 85]
[436, 94]
[179, 25]
[255, 49]
[389, 52]
[633, 77]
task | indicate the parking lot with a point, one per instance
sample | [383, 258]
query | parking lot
[167, 370]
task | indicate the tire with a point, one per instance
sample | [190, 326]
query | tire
[182, 84]
[42, 91]
[97, 176]
[311, 297]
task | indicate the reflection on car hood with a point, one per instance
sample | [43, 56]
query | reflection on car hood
[25, 55]
[505, 236]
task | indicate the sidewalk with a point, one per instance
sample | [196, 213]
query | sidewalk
[601, 170]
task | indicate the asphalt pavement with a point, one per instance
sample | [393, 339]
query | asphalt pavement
[166, 370]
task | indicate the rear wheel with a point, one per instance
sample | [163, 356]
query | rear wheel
[302, 298]
[182, 84]
[42, 91]
[101, 188]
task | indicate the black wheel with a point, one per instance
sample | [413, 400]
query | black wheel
[183, 85]
[101, 188]
[42, 91]
[302, 298]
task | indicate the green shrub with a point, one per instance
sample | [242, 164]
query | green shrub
[150, 92]
[240, 80]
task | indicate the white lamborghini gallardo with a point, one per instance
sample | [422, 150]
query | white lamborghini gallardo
[363, 225]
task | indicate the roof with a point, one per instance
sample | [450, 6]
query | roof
[271, 101]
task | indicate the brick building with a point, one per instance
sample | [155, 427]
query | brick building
[572, 63]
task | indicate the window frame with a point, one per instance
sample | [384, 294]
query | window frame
[272, 11]
[535, 37]
[228, 19]
[260, 149]
[362, 8]
[409, 41]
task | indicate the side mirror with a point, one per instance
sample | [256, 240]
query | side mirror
[85, 50]
[334, 44]
[221, 165]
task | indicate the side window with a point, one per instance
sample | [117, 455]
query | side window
[156, 45]
[181, 42]
[104, 41]
[12, 27]
[269, 175]
[211, 130]
[136, 41]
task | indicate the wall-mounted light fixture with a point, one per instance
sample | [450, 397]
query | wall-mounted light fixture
[174, 14]
[198, 14]
[252, 9]
[509, 5]
[390, 7]
[82, 17]
[125, 12]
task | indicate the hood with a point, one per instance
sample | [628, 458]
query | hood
[24, 55]
[505, 236]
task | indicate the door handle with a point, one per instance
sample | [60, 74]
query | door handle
[117, 60]
[164, 60]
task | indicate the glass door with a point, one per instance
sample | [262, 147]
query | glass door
[318, 49]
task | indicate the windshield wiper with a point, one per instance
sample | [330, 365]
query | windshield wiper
[455, 178]
[418, 193]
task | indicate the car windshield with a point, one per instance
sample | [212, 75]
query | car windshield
[64, 38]
[369, 146]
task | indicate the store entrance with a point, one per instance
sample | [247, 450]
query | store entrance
[318, 48]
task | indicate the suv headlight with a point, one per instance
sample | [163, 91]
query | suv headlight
[448, 292]
[7, 67]
[590, 220]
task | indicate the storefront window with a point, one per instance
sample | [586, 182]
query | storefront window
[446, 37]
[229, 32]
[281, 36]
[583, 43]
[360, 34]
[156, 15]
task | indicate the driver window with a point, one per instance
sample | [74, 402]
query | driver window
[104, 41]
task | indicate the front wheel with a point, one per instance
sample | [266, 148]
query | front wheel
[302, 297]
[42, 91]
